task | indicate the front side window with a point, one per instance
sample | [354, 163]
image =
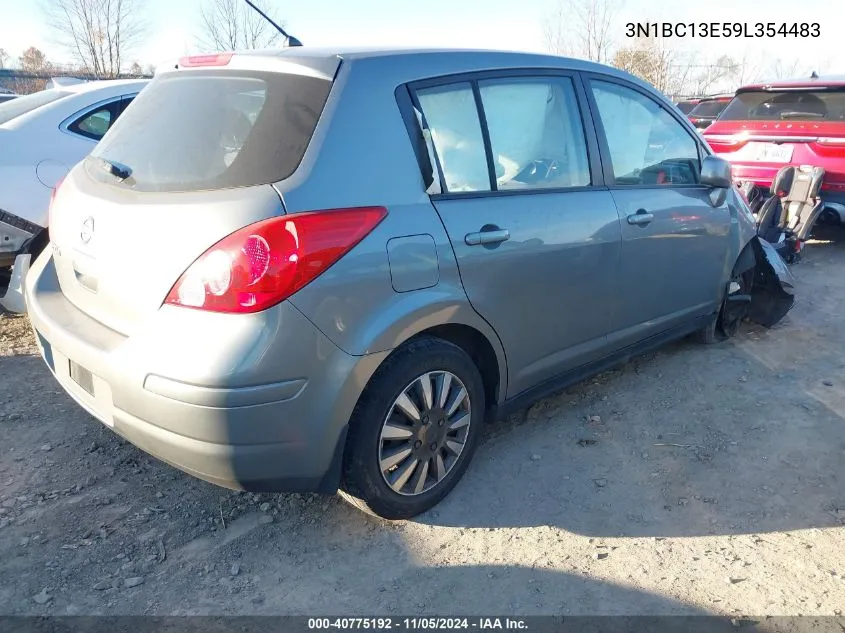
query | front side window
[647, 145]
[536, 134]
[452, 118]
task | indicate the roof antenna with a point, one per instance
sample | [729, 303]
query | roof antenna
[815, 75]
[292, 41]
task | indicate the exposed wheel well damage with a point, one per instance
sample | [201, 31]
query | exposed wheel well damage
[476, 345]
[773, 287]
[747, 259]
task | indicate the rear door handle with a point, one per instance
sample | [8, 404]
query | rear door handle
[487, 237]
[640, 217]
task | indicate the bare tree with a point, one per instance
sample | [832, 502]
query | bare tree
[231, 25]
[4, 57]
[711, 75]
[99, 33]
[749, 68]
[34, 61]
[582, 28]
[781, 69]
[651, 60]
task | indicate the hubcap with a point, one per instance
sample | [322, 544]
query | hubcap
[424, 433]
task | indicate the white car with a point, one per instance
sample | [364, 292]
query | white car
[42, 136]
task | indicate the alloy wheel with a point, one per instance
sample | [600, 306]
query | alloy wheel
[424, 433]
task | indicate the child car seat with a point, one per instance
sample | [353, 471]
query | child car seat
[787, 217]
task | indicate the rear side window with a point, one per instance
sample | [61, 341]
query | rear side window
[709, 108]
[95, 124]
[452, 117]
[647, 145]
[536, 133]
[212, 130]
[792, 105]
[22, 105]
[534, 127]
[686, 106]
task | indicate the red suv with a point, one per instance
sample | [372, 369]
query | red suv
[797, 122]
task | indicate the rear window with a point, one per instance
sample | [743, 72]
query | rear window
[19, 106]
[205, 130]
[686, 106]
[709, 108]
[787, 105]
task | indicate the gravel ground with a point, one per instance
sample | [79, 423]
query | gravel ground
[694, 480]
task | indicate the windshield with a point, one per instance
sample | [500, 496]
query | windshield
[211, 130]
[686, 106]
[709, 108]
[14, 108]
[792, 105]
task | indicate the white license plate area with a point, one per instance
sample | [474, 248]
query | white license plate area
[767, 152]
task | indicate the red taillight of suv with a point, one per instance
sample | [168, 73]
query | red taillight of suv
[264, 263]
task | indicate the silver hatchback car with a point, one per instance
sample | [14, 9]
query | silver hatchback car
[312, 270]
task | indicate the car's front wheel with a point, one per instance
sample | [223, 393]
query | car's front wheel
[414, 431]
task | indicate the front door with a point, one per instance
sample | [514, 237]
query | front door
[674, 239]
[536, 240]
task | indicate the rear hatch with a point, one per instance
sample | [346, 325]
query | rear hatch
[762, 130]
[189, 162]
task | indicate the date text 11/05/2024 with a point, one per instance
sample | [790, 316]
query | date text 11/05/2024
[417, 624]
[722, 29]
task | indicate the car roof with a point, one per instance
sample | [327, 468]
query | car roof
[726, 95]
[826, 81]
[462, 59]
[502, 57]
[399, 65]
[100, 84]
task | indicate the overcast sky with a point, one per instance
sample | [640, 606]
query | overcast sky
[511, 24]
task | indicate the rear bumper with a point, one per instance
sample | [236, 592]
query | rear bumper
[251, 402]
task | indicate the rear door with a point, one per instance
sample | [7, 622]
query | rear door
[674, 241]
[535, 233]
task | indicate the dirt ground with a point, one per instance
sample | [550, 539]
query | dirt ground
[694, 480]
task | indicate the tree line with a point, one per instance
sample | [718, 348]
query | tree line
[585, 29]
[101, 35]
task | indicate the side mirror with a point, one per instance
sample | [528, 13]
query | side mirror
[716, 172]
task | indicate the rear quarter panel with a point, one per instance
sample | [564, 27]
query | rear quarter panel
[361, 155]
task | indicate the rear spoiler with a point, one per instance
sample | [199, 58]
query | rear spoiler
[808, 87]
[291, 61]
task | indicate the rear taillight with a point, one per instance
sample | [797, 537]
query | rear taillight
[264, 263]
[53, 195]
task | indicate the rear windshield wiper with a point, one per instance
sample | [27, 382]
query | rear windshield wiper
[115, 169]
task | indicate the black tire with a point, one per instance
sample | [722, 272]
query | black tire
[362, 483]
[708, 334]
[720, 328]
